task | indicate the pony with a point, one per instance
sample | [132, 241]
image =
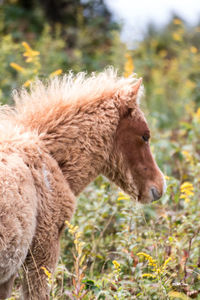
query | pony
[56, 139]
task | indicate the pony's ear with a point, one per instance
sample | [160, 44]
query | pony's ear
[137, 86]
[133, 94]
[129, 97]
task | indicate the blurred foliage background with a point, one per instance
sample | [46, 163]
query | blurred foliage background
[121, 250]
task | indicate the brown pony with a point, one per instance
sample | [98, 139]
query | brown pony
[57, 139]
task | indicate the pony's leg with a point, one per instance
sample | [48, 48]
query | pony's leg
[41, 259]
[53, 210]
[6, 287]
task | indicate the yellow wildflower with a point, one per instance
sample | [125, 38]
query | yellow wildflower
[177, 37]
[29, 53]
[163, 53]
[177, 21]
[122, 196]
[151, 261]
[189, 158]
[117, 267]
[17, 67]
[158, 271]
[26, 46]
[129, 66]
[27, 83]
[148, 275]
[187, 190]
[197, 114]
[187, 186]
[116, 264]
[190, 84]
[166, 262]
[193, 49]
[56, 73]
[73, 230]
[47, 273]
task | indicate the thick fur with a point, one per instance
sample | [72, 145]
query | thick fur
[57, 138]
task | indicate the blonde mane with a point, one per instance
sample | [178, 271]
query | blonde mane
[63, 95]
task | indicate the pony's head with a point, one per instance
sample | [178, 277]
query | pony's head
[131, 163]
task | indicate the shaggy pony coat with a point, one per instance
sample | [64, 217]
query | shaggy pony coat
[57, 138]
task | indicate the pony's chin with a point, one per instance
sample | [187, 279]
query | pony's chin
[144, 199]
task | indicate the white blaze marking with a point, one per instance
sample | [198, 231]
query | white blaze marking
[46, 180]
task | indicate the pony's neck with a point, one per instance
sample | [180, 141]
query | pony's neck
[82, 145]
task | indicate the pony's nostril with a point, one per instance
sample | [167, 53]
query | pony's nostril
[156, 195]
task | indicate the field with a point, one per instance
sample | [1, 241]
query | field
[115, 248]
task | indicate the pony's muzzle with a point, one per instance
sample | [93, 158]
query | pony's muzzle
[155, 194]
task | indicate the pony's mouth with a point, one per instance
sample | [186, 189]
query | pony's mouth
[152, 195]
[144, 198]
[140, 197]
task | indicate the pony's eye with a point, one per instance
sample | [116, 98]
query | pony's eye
[145, 137]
